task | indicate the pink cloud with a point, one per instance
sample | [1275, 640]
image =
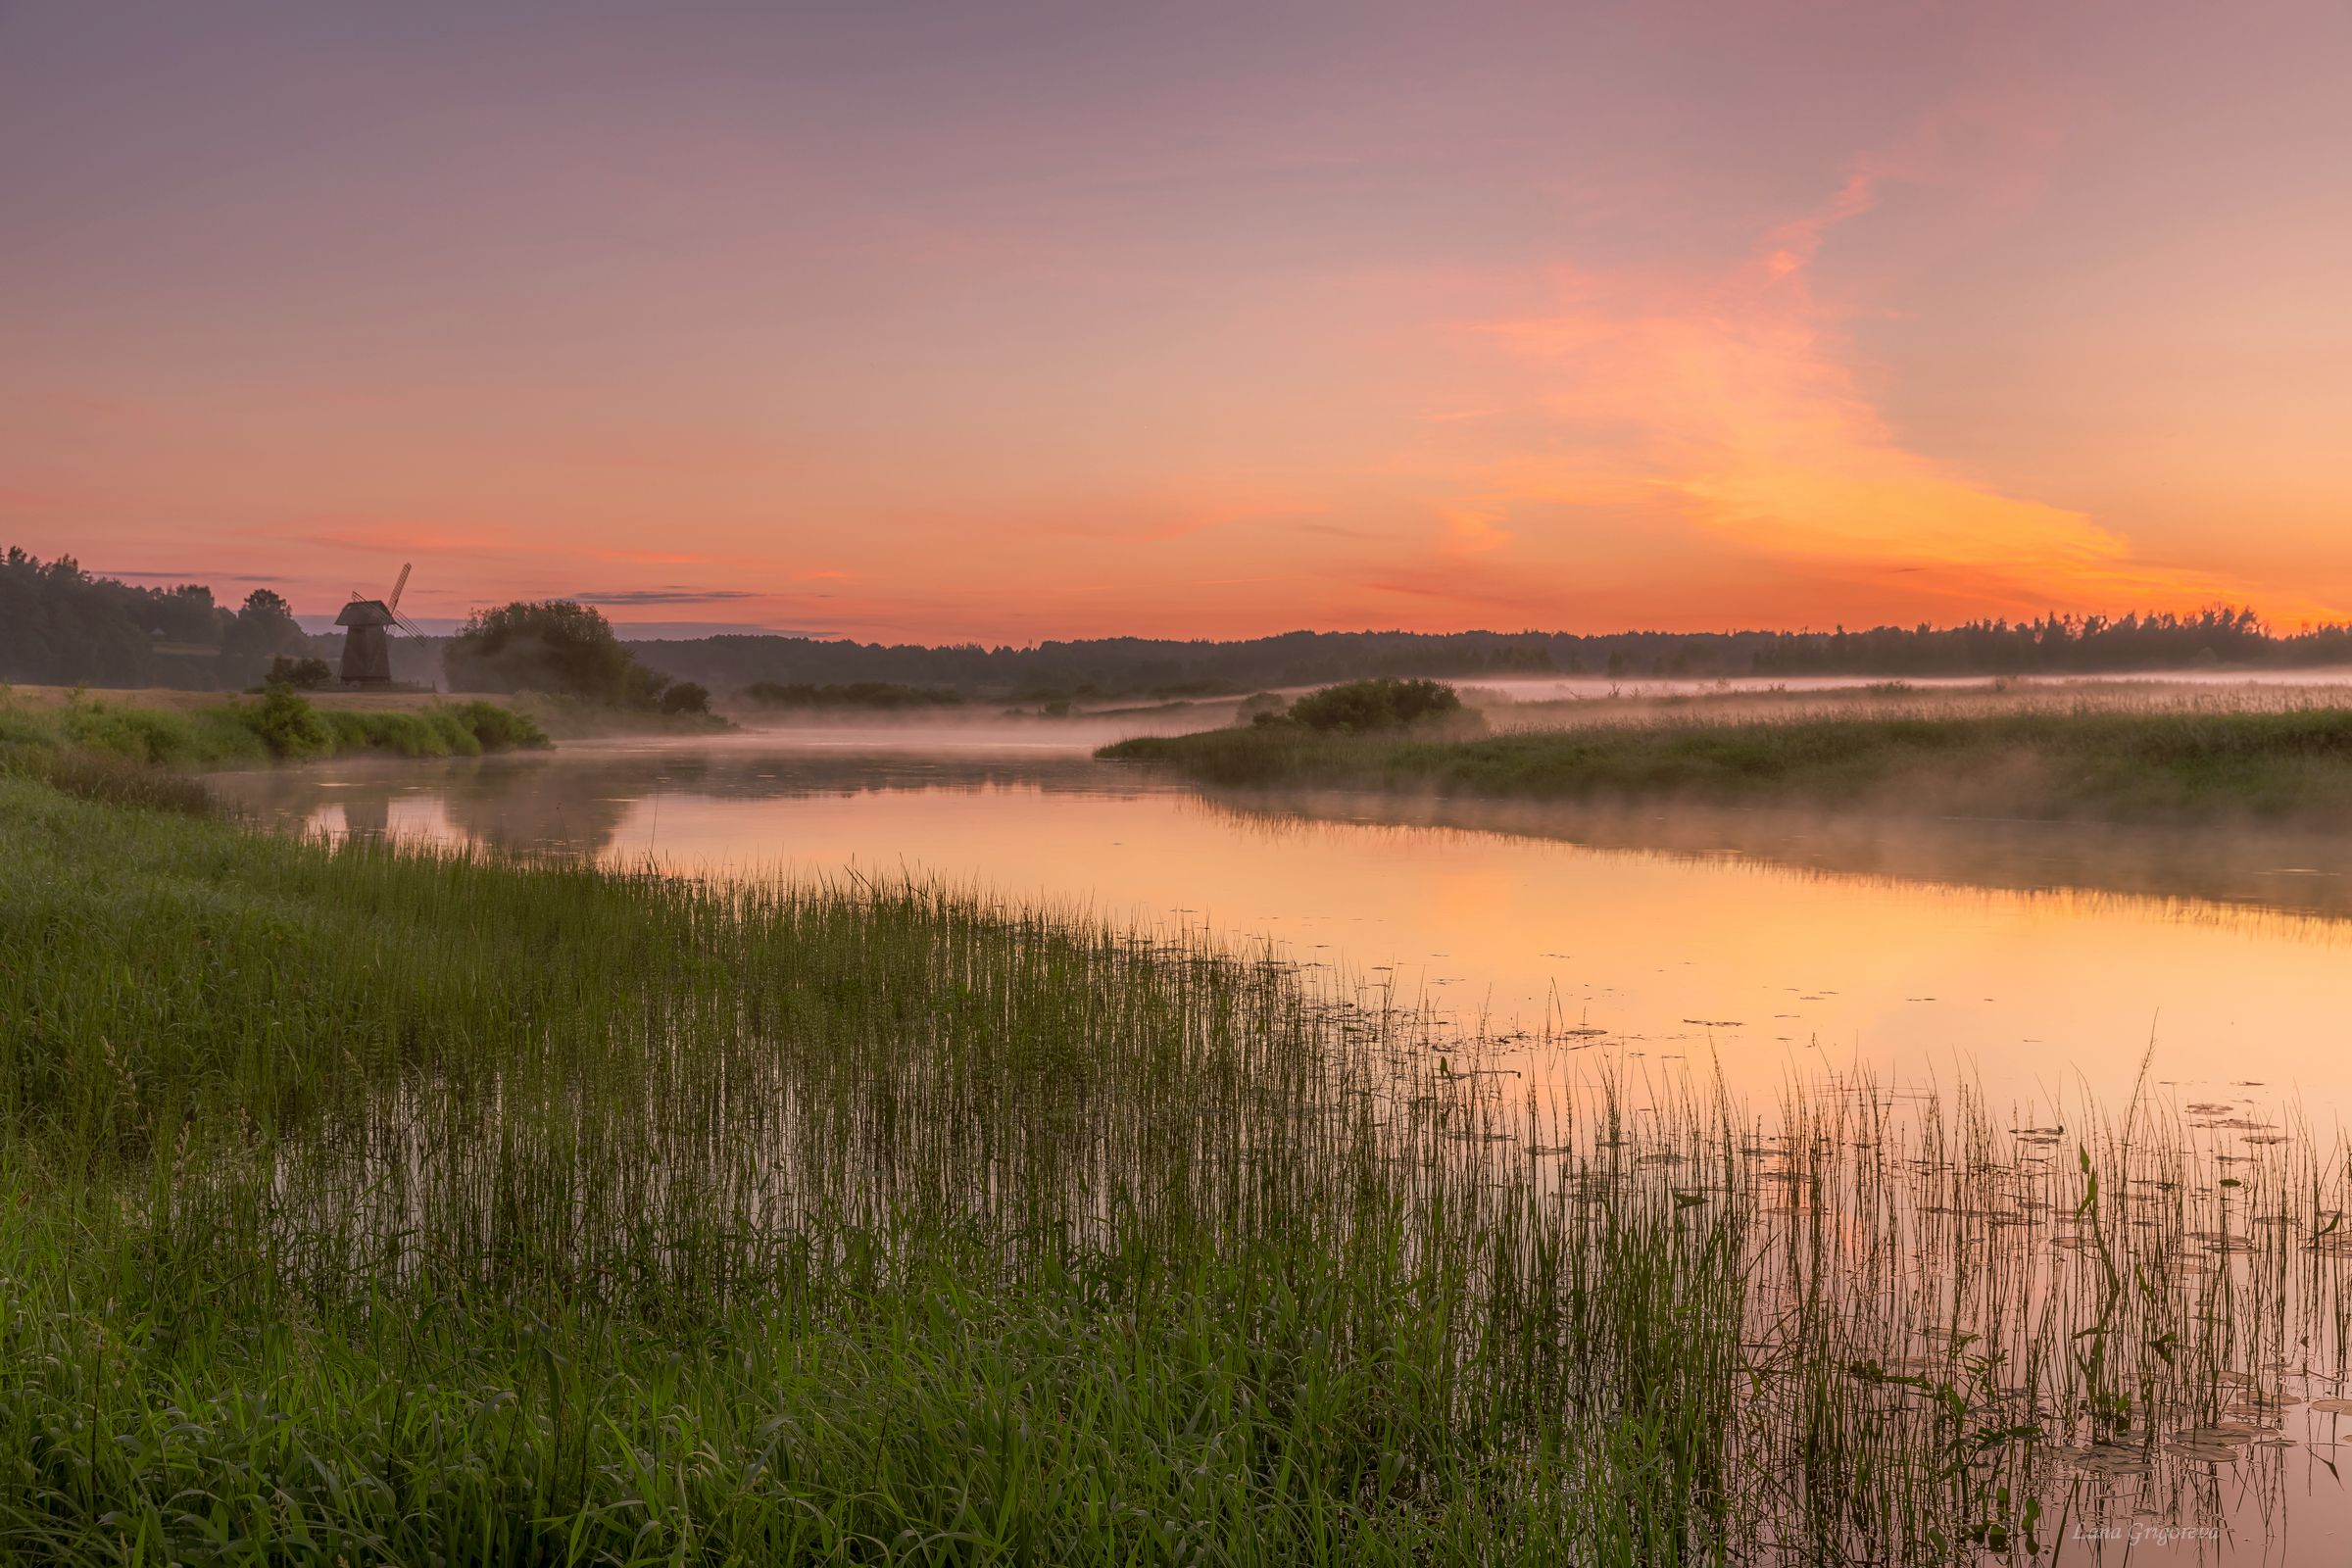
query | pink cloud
[1731, 405]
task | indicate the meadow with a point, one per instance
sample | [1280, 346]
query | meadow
[86, 734]
[2280, 757]
[394, 1206]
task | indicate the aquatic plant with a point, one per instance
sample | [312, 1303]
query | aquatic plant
[399, 1205]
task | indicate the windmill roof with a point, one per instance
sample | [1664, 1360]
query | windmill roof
[365, 612]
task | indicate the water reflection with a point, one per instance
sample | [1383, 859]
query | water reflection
[2250, 869]
[1780, 947]
[582, 803]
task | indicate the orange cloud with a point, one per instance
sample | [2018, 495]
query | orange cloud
[1730, 404]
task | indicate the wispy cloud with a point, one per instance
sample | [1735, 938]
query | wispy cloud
[1731, 404]
[662, 596]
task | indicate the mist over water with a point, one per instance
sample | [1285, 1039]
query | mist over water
[1869, 965]
[2038, 959]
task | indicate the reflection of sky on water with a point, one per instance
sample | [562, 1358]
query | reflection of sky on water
[2032, 955]
[2034, 958]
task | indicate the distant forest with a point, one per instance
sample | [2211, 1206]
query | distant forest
[1137, 667]
[60, 625]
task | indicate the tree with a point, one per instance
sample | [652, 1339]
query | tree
[685, 697]
[262, 632]
[558, 647]
[303, 675]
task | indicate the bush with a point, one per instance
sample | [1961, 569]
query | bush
[1260, 708]
[684, 697]
[500, 729]
[288, 724]
[1370, 704]
[403, 733]
[445, 729]
[303, 675]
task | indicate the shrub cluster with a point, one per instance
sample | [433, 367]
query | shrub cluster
[303, 675]
[445, 729]
[562, 649]
[1368, 705]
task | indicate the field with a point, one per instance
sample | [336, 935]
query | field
[177, 700]
[103, 747]
[2279, 755]
[562, 718]
[375, 1204]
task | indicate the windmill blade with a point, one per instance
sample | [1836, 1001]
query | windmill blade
[408, 627]
[398, 583]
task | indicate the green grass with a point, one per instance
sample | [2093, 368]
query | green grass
[2149, 765]
[278, 726]
[368, 1203]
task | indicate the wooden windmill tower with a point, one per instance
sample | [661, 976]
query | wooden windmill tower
[366, 643]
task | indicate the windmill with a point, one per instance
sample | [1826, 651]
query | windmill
[367, 648]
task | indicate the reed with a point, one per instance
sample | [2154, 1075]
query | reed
[2160, 764]
[398, 1206]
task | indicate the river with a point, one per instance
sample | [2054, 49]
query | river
[2038, 960]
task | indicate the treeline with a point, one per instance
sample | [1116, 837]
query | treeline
[2221, 637]
[61, 626]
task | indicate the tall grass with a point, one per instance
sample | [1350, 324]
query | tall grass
[282, 725]
[404, 1206]
[2169, 764]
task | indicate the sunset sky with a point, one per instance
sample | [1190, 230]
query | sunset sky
[1016, 321]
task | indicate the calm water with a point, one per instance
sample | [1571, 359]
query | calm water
[2037, 960]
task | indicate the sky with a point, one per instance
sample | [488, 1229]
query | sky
[1015, 321]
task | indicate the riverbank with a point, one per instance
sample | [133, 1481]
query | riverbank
[412, 1207]
[2120, 764]
[278, 725]
[557, 717]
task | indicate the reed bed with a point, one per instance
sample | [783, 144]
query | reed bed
[1632, 703]
[373, 1202]
[2193, 763]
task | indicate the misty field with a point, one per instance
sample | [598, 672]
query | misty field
[373, 1202]
[2172, 762]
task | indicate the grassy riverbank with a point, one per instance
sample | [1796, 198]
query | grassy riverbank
[367, 1203]
[2154, 764]
[278, 725]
